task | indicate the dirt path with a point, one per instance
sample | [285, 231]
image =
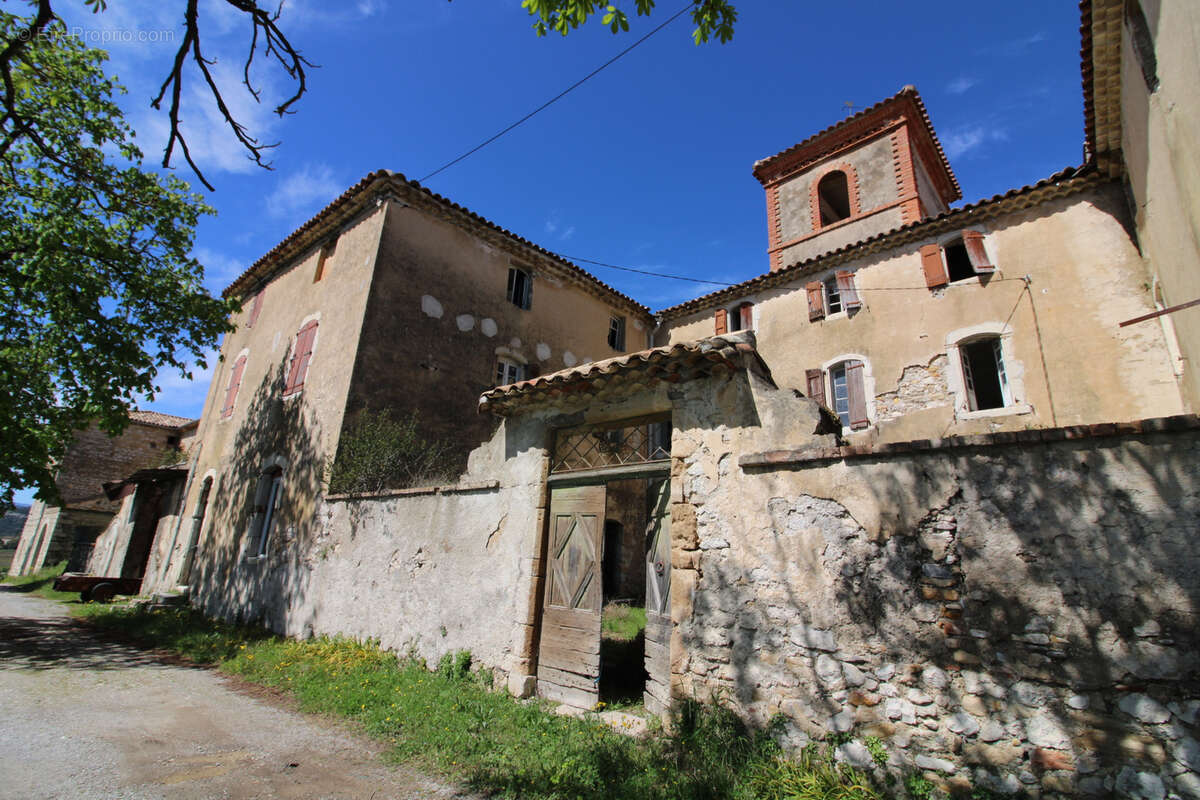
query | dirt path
[84, 718]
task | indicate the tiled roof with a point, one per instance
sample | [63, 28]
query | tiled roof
[1067, 181]
[908, 93]
[671, 363]
[1100, 67]
[370, 187]
[160, 420]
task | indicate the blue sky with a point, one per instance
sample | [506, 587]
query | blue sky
[646, 165]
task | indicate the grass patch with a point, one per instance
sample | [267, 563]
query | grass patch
[450, 721]
[41, 583]
[622, 622]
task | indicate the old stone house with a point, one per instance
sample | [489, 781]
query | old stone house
[67, 532]
[916, 481]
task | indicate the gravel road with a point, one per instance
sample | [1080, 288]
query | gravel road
[84, 718]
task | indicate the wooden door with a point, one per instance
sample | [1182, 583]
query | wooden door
[569, 649]
[658, 598]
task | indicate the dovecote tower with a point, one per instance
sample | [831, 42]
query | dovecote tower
[875, 171]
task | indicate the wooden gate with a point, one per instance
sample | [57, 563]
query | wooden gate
[569, 651]
[658, 599]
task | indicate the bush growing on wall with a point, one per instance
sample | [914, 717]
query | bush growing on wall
[377, 453]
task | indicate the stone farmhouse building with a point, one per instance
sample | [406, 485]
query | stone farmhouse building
[931, 477]
[67, 532]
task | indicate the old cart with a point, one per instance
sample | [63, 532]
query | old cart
[94, 587]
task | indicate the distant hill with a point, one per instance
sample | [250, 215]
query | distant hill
[12, 522]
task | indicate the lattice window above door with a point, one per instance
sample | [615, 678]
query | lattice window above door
[644, 440]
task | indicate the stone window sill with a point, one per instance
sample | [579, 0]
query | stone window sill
[1006, 411]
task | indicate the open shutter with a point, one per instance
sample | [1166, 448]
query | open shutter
[255, 308]
[847, 290]
[816, 385]
[816, 300]
[235, 383]
[973, 241]
[857, 395]
[746, 316]
[721, 321]
[934, 267]
[301, 357]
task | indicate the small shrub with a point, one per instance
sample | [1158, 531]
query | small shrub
[376, 453]
[877, 749]
[918, 787]
[455, 665]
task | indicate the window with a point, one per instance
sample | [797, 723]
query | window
[959, 259]
[327, 251]
[508, 371]
[1143, 43]
[984, 379]
[301, 356]
[738, 318]
[235, 383]
[835, 294]
[616, 333]
[833, 198]
[266, 507]
[520, 288]
[842, 387]
[255, 309]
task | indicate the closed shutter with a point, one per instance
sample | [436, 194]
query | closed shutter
[816, 385]
[721, 321]
[746, 316]
[973, 241]
[857, 394]
[300, 357]
[847, 290]
[235, 383]
[932, 264]
[816, 301]
[255, 308]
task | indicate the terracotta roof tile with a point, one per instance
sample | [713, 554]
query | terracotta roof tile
[161, 420]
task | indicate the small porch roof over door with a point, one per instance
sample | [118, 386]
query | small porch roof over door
[623, 375]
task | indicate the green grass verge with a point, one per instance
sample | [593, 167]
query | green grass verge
[41, 583]
[622, 622]
[449, 720]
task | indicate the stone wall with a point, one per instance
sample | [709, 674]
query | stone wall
[1016, 612]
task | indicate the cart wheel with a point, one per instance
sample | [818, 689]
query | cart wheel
[103, 592]
[85, 595]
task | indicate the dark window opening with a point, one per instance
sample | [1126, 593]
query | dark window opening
[266, 510]
[833, 295]
[326, 253]
[616, 333]
[520, 288]
[839, 390]
[1143, 43]
[958, 263]
[833, 196]
[983, 374]
[172, 441]
[508, 372]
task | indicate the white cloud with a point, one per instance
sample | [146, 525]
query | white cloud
[179, 395]
[219, 269]
[961, 84]
[960, 141]
[303, 192]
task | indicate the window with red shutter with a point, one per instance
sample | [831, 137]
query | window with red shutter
[721, 321]
[231, 391]
[973, 242]
[301, 355]
[847, 290]
[931, 264]
[255, 308]
[745, 316]
[816, 384]
[816, 300]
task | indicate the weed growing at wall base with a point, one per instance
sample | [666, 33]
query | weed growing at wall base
[451, 722]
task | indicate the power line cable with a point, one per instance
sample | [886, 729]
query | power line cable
[558, 96]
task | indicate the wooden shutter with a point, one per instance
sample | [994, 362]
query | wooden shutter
[816, 385]
[721, 321]
[301, 355]
[857, 395]
[656, 693]
[934, 267]
[973, 241]
[816, 301]
[235, 383]
[847, 290]
[255, 308]
[746, 316]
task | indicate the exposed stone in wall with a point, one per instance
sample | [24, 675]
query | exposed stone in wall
[920, 387]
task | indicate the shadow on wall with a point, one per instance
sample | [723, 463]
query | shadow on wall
[230, 579]
[1043, 611]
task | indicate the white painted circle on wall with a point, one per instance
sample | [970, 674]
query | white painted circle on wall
[431, 306]
[543, 351]
[585, 360]
[488, 326]
[569, 358]
[464, 322]
[637, 324]
[515, 344]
